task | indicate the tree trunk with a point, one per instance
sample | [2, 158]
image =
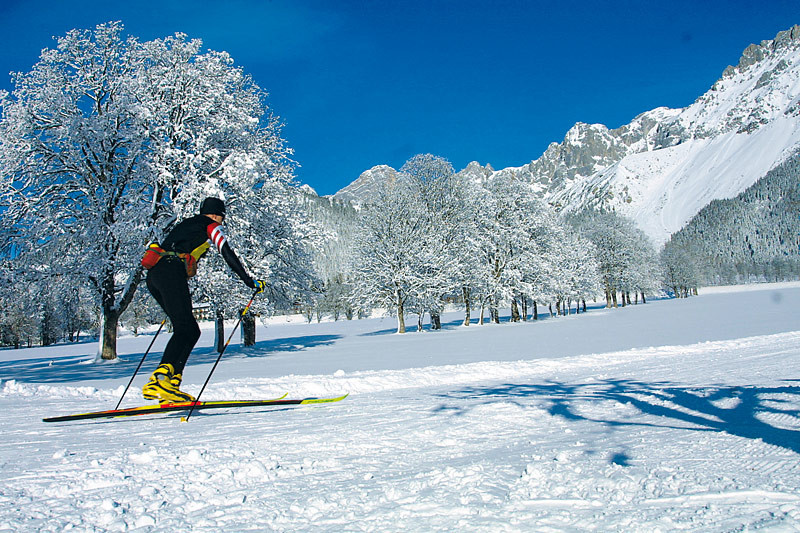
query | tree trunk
[108, 335]
[248, 330]
[46, 328]
[524, 308]
[514, 310]
[467, 305]
[436, 321]
[420, 316]
[112, 311]
[219, 331]
[535, 311]
[401, 319]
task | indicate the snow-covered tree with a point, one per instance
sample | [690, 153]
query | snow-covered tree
[142, 312]
[40, 309]
[680, 271]
[626, 259]
[571, 268]
[410, 247]
[471, 281]
[335, 225]
[18, 321]
[107, 141]
[391, 255]
[441, 194]
[645, 277]
[512, 225]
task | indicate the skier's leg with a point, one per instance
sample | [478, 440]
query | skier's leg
[150, 281]
[173, 290]
[168, 285]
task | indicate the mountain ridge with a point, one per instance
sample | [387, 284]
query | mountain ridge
[667, 164]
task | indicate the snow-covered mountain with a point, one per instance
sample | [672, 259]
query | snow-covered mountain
[746, 124]
[667, 164]
[367, 184]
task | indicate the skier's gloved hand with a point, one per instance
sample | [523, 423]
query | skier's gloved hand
[259, 285]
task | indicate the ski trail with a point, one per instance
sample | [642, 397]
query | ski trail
[698, 436]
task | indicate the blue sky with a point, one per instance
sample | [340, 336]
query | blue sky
[359, 84]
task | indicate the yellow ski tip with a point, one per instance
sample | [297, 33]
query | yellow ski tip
[324, 400]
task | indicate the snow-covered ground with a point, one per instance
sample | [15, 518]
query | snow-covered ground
[674, 415]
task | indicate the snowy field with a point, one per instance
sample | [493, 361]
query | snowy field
[674, 415]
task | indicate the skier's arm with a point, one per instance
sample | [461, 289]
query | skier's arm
[216, 235]
[236, 265]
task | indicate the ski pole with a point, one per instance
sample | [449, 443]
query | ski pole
[197, 400]
[140, 363]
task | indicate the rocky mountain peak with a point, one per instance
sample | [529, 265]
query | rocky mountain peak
[367, 184]
[477, 173]
[756, 53]
[745, 124]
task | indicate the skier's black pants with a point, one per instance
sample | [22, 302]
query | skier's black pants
[169, 285]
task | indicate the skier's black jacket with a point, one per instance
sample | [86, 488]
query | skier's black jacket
[193, 232]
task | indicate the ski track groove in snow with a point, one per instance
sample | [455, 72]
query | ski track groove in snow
[695, 436]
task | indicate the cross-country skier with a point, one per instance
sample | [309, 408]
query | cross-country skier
[167, 279]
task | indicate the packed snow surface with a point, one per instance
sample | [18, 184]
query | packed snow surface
[673, 415]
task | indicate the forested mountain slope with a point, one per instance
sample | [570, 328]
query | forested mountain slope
[755, 235]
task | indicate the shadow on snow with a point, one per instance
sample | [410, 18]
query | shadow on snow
[80, 367]
[744, 411]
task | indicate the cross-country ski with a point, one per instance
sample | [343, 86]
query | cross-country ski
[197, 406]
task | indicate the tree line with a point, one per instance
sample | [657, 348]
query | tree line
[432, 236]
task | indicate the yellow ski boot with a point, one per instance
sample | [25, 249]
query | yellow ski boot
[163, 386]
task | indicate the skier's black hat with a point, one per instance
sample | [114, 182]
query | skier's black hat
[212, 206]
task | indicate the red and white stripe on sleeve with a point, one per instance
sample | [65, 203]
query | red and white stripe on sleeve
[216, 236]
